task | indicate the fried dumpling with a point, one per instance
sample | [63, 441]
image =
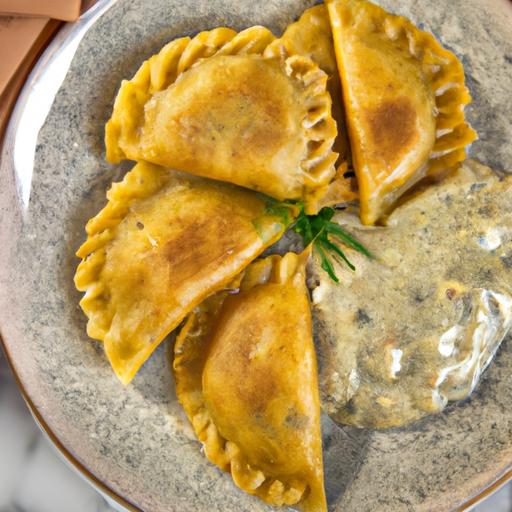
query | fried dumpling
[246, 375]
[214, 106]
[404, 96]
[416, 328]
[164, 242]
[311, 36]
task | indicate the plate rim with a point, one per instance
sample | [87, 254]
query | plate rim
[95, 482]
[103, 488]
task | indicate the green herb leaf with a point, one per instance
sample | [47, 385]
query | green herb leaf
[336, 250]
[326, 213]
[326, 264]
[303, 228]
[319, 231]
[340, 233]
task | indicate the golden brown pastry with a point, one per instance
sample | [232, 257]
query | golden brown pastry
[311, 36]
[164, 242]
[404, 98]
[214, 106]
[246, 374]
[416, 327]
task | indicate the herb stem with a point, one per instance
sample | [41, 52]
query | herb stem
[320, 231]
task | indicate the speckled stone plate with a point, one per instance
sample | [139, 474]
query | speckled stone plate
[135, 442]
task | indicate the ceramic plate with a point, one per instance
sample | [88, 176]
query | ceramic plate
[135, 442]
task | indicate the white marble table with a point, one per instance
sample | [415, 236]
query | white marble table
[34, 479]
[32, 476]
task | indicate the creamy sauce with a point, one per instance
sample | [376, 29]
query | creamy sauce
[415, 328]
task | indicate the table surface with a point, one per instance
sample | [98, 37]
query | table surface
[34, 479]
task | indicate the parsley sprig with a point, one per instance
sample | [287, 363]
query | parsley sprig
[325, 236]
[318, 230]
